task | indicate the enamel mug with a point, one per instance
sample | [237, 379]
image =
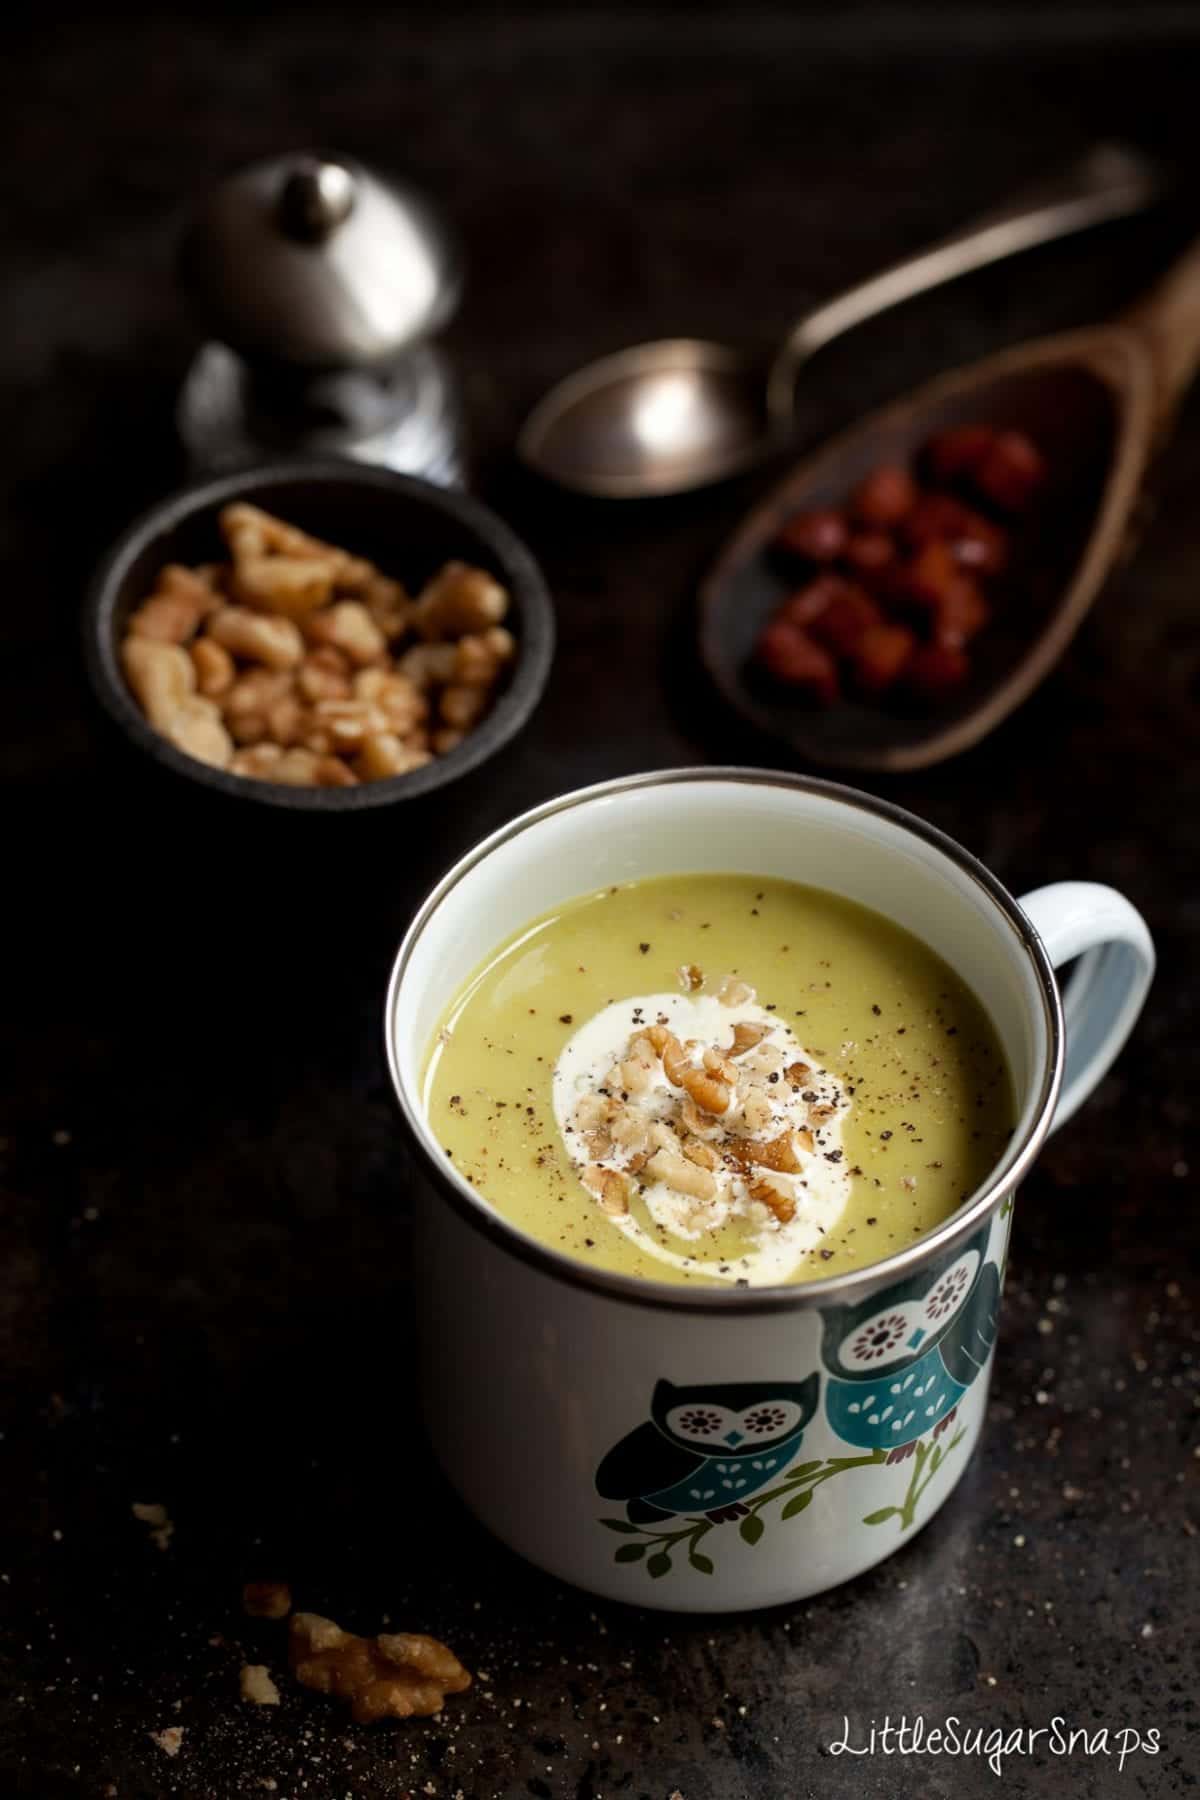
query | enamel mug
[712, 1449]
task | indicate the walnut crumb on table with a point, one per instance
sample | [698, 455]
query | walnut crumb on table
[396, 1675]
[151, 1513]
[169, 1740]
[256, 1685]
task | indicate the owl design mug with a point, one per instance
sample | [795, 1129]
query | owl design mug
[718, 1449]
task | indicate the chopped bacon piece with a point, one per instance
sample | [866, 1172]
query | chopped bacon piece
[881, 655]
[808, 603]
[885, 497]
[931, 575]
[792, 657]
[817, 536]
[842, 623]
[977, 544]
[954, 454]
[1011, 473]
[869, 553]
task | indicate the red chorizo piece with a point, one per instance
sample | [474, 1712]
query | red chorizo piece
[792, 657]
[816, 537]
[886, 496]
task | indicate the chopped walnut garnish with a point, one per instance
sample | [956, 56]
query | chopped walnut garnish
[797, 1073]
[700, 1124]
[733, 991]
[765, 1191]
[756, 1114]
[609, 1188]
[684, 1176]
[395, 1675]
[710, 1092]
[257, 1686]
[628, 1129]
[635, 1076]
[723, 1137]
[779, 1153]
[591, 1112]
[720, 1066]
[697, 1151]
[267, 1599]
[691, 978]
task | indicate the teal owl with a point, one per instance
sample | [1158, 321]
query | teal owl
[706, 1449]
[898, 1364]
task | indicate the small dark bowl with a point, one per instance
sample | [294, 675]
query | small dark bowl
[408, 527]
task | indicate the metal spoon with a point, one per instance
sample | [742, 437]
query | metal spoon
[680, 413]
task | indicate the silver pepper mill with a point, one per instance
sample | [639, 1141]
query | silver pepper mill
[321, 284]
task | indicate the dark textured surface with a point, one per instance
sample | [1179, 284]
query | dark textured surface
[204, 1289]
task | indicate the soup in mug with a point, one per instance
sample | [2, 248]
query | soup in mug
[719, 1079]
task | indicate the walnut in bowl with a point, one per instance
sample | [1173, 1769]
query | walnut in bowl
[319, 636]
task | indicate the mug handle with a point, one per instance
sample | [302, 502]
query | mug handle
[1108, 988]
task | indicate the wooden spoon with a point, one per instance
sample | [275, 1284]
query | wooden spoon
[1098, 402]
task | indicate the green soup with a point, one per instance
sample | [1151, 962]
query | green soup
[610, 1084]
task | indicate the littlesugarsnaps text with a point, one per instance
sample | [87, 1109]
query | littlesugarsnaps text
[994, 1743]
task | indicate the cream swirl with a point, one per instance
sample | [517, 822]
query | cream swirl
[706, 1132]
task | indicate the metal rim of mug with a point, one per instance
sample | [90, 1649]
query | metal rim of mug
[639, 1291]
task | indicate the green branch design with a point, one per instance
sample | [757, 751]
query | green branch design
[926, 1463]
[797, 1488]
[654, 1548]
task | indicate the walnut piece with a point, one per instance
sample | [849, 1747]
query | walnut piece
[349, 627]
[257, 1686]
[215, 668]
[156, 1516]
[250, 532]
[257, 638]
[294, 586]
[684, 1176]
[709, 1089]
[459, 600]
[765, 1191]
[163, 678]
[395, 1675]
[608, 1186]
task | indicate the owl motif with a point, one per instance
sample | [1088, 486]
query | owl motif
[902, 1361]
[706, 1449]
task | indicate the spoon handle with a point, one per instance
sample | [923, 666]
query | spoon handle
[1107, 183]
[1168, 320]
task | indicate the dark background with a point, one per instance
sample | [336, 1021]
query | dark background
[204, 1290]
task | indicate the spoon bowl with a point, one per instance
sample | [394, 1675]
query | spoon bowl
[655, 419]
[1088, 399]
